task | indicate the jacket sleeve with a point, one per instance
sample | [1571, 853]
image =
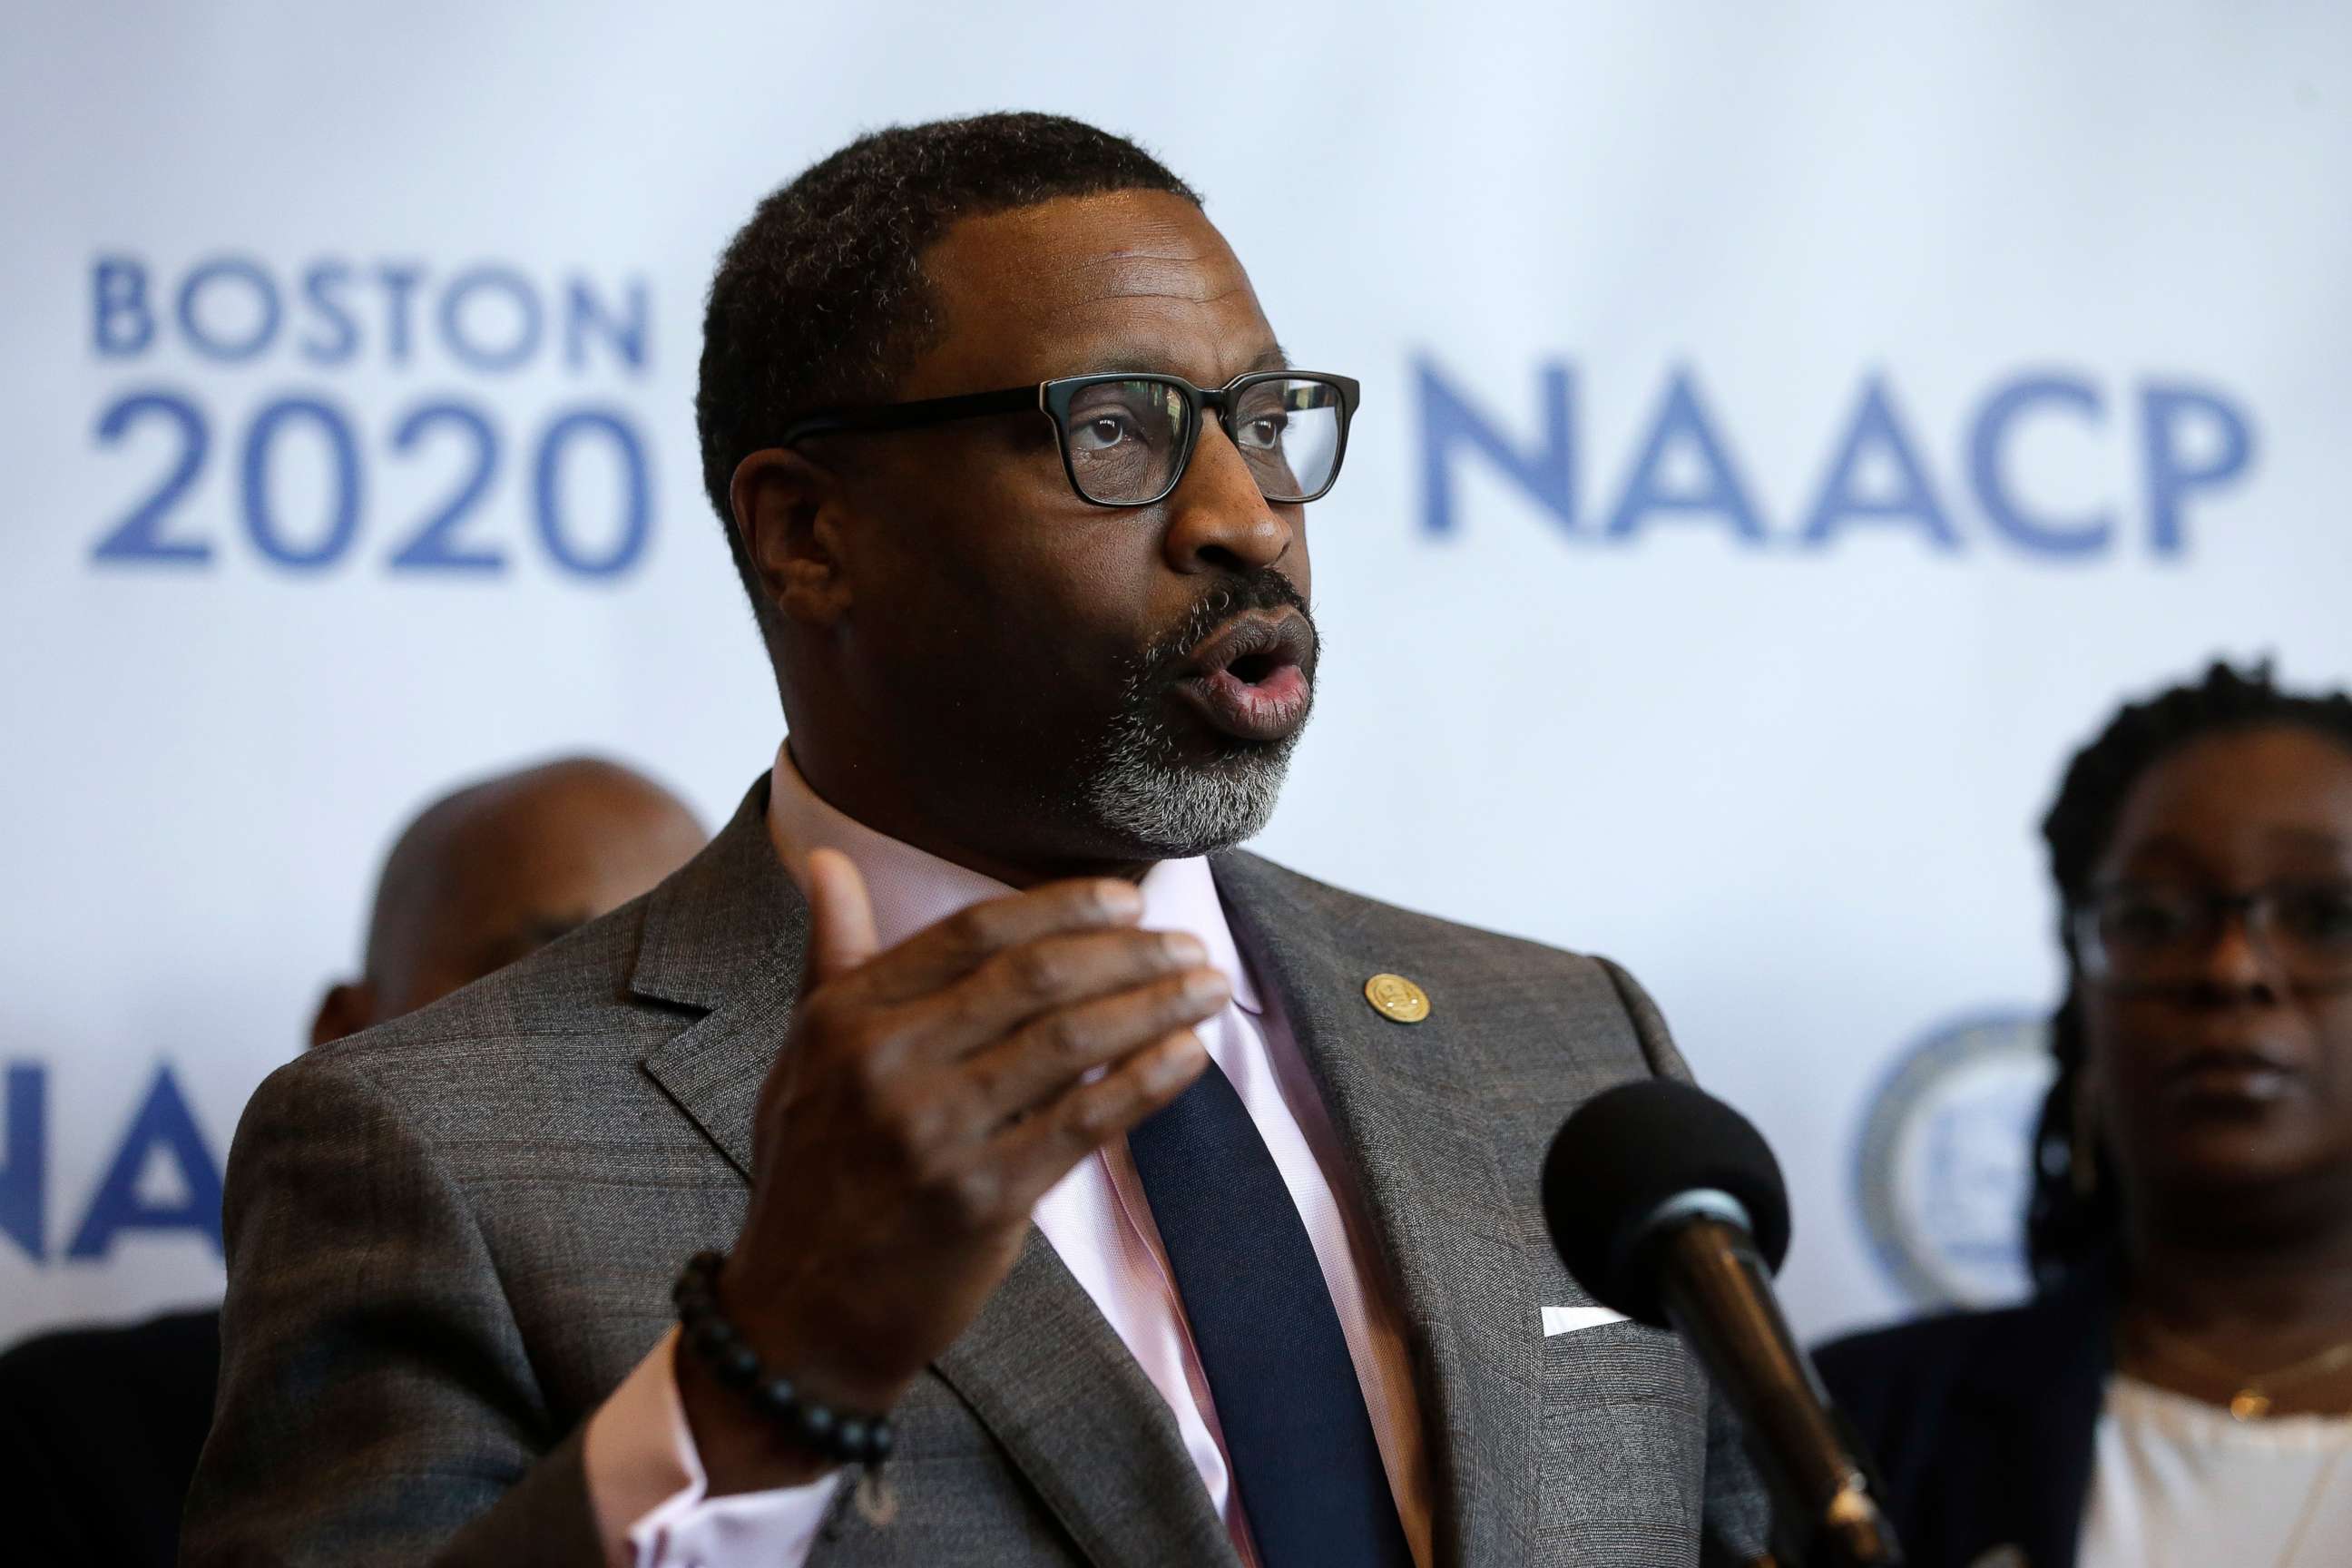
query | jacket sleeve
[375, 1405]
[1737, 1523]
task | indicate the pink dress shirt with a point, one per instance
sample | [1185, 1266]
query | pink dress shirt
[644, 1477]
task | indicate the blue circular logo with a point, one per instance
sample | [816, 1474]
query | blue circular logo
[1942, 1173]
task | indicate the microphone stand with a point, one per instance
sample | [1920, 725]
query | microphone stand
[1823, 1513]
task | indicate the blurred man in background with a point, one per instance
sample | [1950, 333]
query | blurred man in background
[501, 869]
[99, 1428]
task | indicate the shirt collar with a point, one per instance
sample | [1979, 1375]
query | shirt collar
[912, 888]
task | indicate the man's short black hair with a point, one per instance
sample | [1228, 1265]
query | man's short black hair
[821, 297]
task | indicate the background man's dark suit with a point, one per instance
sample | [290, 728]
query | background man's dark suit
[451, 1237]
[99, 1432]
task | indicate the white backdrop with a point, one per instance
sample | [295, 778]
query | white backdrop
[1787, 429]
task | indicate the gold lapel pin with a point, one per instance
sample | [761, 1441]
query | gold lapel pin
[1397, 999]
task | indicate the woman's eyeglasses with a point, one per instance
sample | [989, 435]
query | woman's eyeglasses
[2141, 934]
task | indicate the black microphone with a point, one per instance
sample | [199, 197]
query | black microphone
[1667, 1205]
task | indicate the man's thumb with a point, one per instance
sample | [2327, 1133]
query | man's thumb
[841, 916]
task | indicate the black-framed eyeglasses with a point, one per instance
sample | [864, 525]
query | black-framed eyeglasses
[2134, 934]
[1127, 438]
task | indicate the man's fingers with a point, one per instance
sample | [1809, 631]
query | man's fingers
[939, 954]
[1039, 1151]
[1043, 977]
[1048, 1054]
[841, 916]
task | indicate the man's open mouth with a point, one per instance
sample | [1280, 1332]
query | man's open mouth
[1250, 678]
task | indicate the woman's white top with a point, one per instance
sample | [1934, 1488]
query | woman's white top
[2177, 1483]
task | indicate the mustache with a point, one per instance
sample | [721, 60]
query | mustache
[1261, 589]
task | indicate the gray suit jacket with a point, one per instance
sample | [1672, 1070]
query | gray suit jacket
[451, 1237]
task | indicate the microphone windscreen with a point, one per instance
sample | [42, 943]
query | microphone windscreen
[1627, 1150]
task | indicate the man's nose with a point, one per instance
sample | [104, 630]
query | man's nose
[1219, 520]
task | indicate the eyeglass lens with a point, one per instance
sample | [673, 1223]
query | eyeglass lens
[2154, 934]
[1128, 438]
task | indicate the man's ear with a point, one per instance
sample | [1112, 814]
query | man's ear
[345, 1009]
[786, 513]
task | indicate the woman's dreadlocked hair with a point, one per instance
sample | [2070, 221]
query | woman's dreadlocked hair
[2073, 1215]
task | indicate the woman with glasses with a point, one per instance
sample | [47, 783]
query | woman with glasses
[2179, 1390]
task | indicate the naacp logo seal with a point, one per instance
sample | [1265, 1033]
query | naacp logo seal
[1942, 1173]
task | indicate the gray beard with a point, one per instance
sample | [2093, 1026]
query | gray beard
[1142, 790]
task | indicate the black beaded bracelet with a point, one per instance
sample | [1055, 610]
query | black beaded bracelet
[835, 1433]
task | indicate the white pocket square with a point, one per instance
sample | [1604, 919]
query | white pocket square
[1567, 1319]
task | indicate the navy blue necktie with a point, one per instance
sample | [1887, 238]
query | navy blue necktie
[1304, 1457]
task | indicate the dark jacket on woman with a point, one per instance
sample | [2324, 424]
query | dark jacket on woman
[1982, 1423]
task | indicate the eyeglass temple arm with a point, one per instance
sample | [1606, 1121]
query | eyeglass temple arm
[914, 415]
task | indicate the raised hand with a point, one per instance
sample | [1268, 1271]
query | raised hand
[928, 1096]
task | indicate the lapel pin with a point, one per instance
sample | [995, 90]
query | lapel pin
[1397, 999]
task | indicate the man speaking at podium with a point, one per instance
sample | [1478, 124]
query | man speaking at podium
[1037, 1179]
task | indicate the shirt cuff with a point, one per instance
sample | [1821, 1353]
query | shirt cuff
[650, 1496]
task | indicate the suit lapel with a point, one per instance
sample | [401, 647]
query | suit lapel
[1420, 1139]
[726, 935]
[1051, 1382]
[1039, 1367]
